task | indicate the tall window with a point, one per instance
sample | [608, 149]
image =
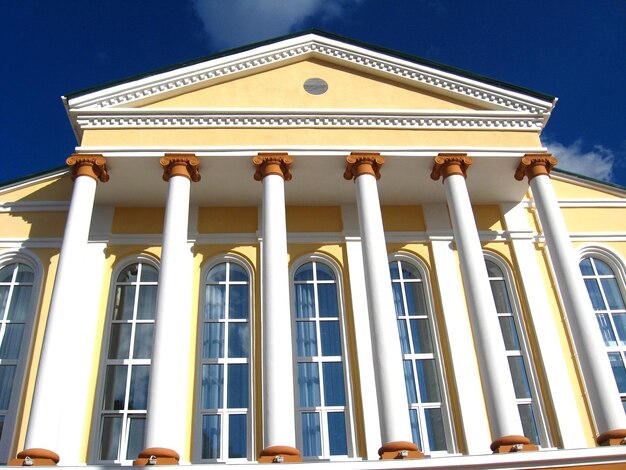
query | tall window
[16, 312]
[420, 357]
[225, 360]
[127, 364]
[517, 354]
[608, 302]
[322, 411]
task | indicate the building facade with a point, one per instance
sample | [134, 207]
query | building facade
[312, 250]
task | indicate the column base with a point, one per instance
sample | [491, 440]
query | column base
[157, 456]
[279, 454]
[614, 437]
[34, 458]
[505, 444]
[399, 450]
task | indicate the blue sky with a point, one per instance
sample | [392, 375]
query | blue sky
[574, 50]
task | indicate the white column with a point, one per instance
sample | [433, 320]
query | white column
[458, 331]
[278, 385]
[494, 368]
[168, 393]
[387, 354]
[551, 354]
[57, 419]
[601, 387]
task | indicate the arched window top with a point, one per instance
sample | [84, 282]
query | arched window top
[138, 272]
[17, 272]
[314, 271]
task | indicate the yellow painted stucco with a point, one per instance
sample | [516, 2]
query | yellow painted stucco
[314, 219]
[136, 220]
[572, 190]
[48, 189]
[595, 219]
[488, 217]
[228, 219]
[258, 137]
[403, 218]
[32, 224]
[282, 87]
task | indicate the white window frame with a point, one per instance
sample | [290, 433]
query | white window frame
[9, 437]
[349, 406]
[436, 355]
[525, 352]
[252, 366]
[95, 440]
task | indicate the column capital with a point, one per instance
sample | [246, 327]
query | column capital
[92, 165]
[363, 163]
[180, 164]
[272, 164]
[535, 164]
[447, 164]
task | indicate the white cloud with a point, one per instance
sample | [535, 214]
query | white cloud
[598, 162]
[231, 23]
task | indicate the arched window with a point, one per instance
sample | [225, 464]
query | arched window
[17, 305]
[520, 364]
[607, 299]
[224, 395]
[323, 411]
[125, 372]
[422, 363]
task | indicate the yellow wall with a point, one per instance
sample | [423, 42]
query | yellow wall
[51, 189]
[403, 218]
[314, 219]
[595, 219]
[32, 224]
[136, 220]
[488, 217]
[571, 190]
[228, 219]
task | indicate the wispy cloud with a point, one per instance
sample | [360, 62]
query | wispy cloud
[231, 23]
[598, 162]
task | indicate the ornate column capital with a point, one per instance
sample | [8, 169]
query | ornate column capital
[92, 165]
[272, 164]
[535, 164]
[363, 163]
[180, 164]
[447, 164]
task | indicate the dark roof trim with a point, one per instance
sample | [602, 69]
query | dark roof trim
[336, 37]
[590, 179]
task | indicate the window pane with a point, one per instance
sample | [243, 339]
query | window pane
[613, 294]
[309, 384]
[238, 340]
[311, 438]
[606, 329]
[434, 426]
[114, 388]
[149, 273]
[146, 308]
[212, 386]
[327, 294]
[237, 386]
[324, 273]
[11, 341]
[1, 425]
[602, 268]
[500, 296]
[397, 299]
[594, 294]
[237, 273]
[4, 296]
[210, 437]
[520, 379]
[305, 303]
[393, 270]
[213, 341]
[136, 433]
[493, 269]
[119, 341]
[331, 338]
[415, 429]
[6, 273]
[237, 437]
[585, 267]
[124, 302]
[110, 440]
[428, 380]
[306, 338]
[404, 336]
[129, 274]
[334, 390]
[143, 340]
[238, 301]
[409, 271]
[509, 333]
[528, 422]
[217, 274]
[304, 273]
[6, 385]
[337, 434]
[422, 342]
[415, 302]
[138, 394]
[19, 303]
[620, 325]
[215, 302]
[409, 381]
[618, 371]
